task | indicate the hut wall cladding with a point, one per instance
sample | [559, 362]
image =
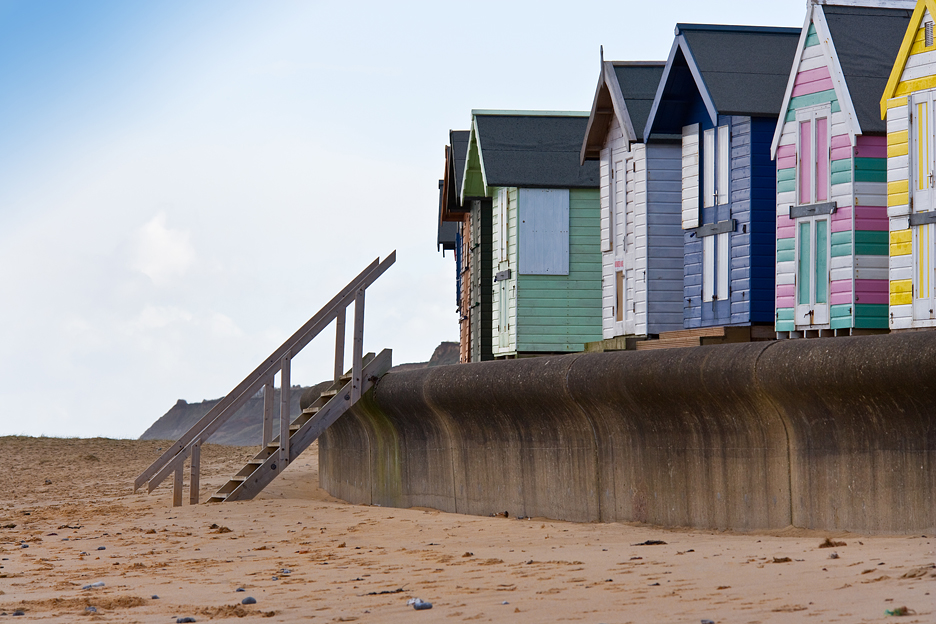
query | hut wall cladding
[827, 434]
[858, 234]
[615, 148]
[560, 313]
[752, 243]
[919, 73]
[660, 206]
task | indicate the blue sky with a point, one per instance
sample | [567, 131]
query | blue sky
[182, 184]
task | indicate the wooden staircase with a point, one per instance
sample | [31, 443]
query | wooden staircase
[275, 454]
[304, 430]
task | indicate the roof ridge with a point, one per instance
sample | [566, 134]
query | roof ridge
[527, 113]
[765, 30]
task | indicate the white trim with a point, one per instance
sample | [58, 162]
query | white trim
[617, 102]
[797, 59]
[838, 76]
[874, 4]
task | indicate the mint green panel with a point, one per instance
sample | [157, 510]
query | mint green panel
[869, 243]
[786, 249]
[870, 164]
[822, 261]
[785, 314]
[813, 99]
[786, 256]
[870, 176]
[841, 316]
[560, 313]
[802, 265]
[812, 37]
[842, 244]
[842, 177]
[783, 326]
[786, 174]
[786, 186]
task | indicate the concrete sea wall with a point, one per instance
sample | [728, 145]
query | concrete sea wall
[835, 434]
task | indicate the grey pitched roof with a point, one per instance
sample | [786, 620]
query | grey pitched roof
[744, 70]
[866, 41]
[534, 150]
[639, 82]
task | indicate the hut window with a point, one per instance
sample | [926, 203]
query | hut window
[928, 29]
[543, 231]
[813, 152]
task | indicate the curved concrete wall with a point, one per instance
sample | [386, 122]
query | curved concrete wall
[827, 434]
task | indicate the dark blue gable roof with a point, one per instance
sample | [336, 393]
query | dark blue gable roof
[727, 70]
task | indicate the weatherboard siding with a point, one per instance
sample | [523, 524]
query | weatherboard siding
[858, 227]
[614, 142]
[661, 272]
[560, 313]
[919, 72]
[752, 184]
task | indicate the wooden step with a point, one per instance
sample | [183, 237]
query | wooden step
[669, 343]
[312, 410]
[217, 498]
[697, 332]
[329, 393]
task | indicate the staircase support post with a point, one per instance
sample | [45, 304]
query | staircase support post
[196, 473]
[284, 411]
[268, 396]
[177, 487]
[358, 348]
[339, 343]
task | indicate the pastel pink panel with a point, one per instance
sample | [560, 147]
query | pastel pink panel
[812, 81]
[871, 291]
[786, 227]
[822, 159]
[841, 153]
[786, 302]
[840, 298]
[786, 162]
[841, 292]
[805, 194]
[786, 290]
[786, 150]
[842, 219]
[841, 140]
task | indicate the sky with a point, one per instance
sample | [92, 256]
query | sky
[184, 183]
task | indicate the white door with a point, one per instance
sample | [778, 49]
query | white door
[924, 299]
[623, 300]
[812, 271]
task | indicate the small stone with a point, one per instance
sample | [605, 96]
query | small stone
[102, 547]
[249, 600]
[48, 481]
[154, 597]
[275, 578]
[94, 585]
[240, 589]
[505, 602]
[708, 622]
[19, 612]
[184, 620]
[24, 546]
[91, 609]
[285, 571]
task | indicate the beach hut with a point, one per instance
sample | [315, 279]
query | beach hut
[830, 148]
[720, 95]
[909, 106]
[641, 237]
[465, 227]
[545, 243]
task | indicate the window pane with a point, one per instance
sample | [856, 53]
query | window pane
[708, 181]
[822, 159]
[805, 163]
[708, 268]
[724, 160]
[802, 288]
[822, 267]
[922, 143]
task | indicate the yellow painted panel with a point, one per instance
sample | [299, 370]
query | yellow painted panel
[901, 286]
[901, 236]
[903, 249]
[897, 138]
[917, 84]
[901, 299]
[898, 149]
[898, 199]
[897, 101]
[898, 186]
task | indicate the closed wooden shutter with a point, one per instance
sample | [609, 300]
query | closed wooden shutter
[690, 176]
[543, 231]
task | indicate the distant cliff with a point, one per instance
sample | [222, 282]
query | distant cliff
[245, 427]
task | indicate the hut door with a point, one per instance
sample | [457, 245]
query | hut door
[716, 248]
[812, 271]
[924, 246]
[923, 166]
[622, 244]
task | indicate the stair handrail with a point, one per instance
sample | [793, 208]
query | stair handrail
[174, 457]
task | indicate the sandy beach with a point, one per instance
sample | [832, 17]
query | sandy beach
[68, 520]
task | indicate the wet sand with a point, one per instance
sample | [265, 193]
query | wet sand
[305, 556]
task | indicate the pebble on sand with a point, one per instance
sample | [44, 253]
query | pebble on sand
[91, 609]
[249, 600]
[102, 547]
[184, 620]
[240, 589]
[94, 585]
[154, 597]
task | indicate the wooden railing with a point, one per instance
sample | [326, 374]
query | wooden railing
[172, 461]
